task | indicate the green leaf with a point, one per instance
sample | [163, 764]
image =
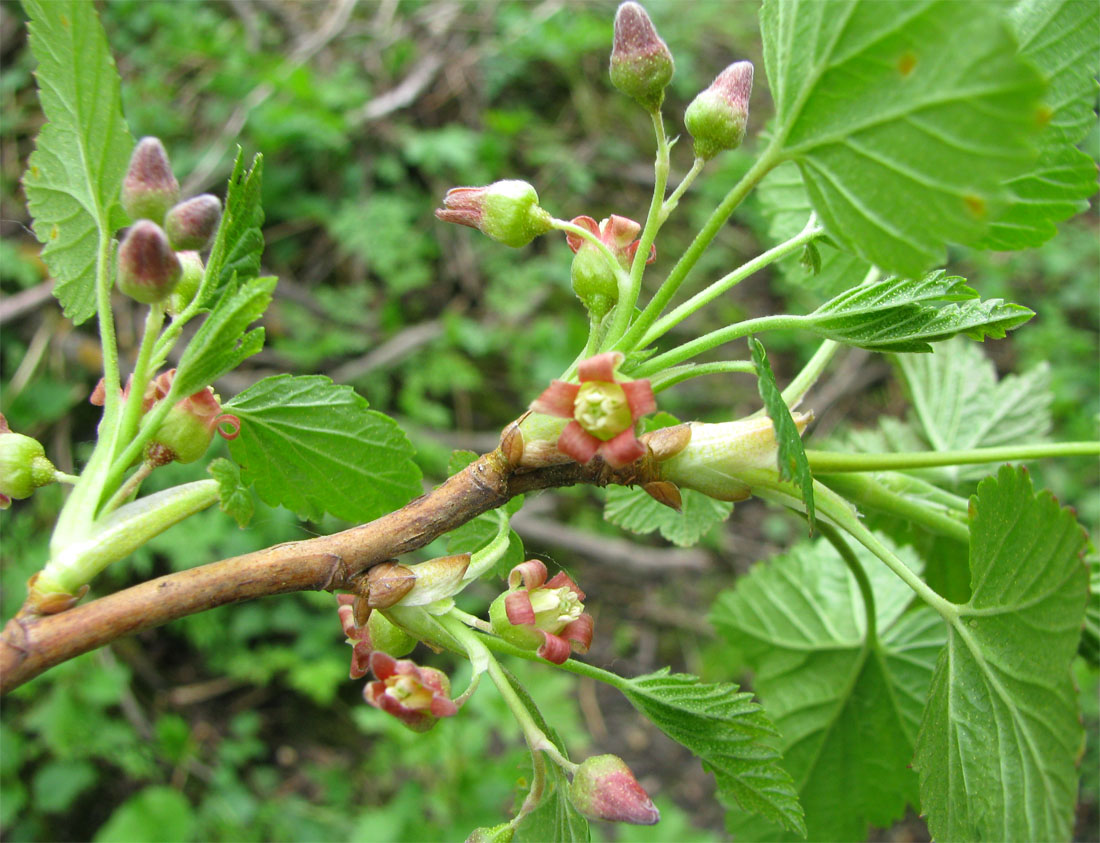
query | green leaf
[58, 783]
[236, 499]
[904, 119]
[1059, 37]
[1090, 638]
[792, 461]
[848, 708]
[314, 447]
[555, 818]
[901, 315]
[1001, 731]
[787, 207]
[632, 509]
[959, 404]
[223, 341]
[239, 243]
[152, 815]
[75, 173]
[729, 733]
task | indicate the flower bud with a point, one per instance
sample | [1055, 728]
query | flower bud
[189, 283]
[186, 431]
[507, 211]
[641, 64]
[716, 118]
[718, 454]
[149, 188]
[593, 278]
[23, 465]
[603, 788]
[388, 637]
[191, 224]
[148, 269]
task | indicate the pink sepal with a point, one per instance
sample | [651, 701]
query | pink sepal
[575, 241]
[517, 605]
[578, 443]
[554, 648]
[622, 449]
[383, 665]
[531, 573]
[443, 707]
[360, 658]
[600, 368]
[562, 579]
[580, 632]
[639, 396]
[632, 250]
[557, 399]
[618, 232]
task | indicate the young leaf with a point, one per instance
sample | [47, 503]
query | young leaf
[729, 733]
[75, 173]
[847, 707]
[787, 207]
[1059, 37]
[903, 117]
[793, 464]
[959, 403]
[900, 315]
[1001, 729]
[239, 243]
[555, 818]
[236, 499]
[314, 447]
[634, 510]
[222, 342]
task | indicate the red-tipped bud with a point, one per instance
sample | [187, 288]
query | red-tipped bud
[148, 269]
[716, 118]
[150, 188]
[641, 64]
[189, 283]
[191, 224]
[186, 431]
[23, 465]
[603, 788]
[507, 211]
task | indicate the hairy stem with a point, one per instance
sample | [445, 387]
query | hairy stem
[712, 340]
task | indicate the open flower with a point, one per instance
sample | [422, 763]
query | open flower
[547, 616]
[187, 430]
[619, 234]
[603, 411]
[417, 696]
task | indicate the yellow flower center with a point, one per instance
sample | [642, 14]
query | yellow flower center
[601, 408]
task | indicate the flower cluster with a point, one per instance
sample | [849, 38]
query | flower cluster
[151, 257]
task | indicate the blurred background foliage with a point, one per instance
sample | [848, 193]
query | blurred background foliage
[240, 724]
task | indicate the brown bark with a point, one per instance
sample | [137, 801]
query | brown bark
[31, 644]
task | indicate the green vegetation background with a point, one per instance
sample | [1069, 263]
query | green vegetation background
[241, 724]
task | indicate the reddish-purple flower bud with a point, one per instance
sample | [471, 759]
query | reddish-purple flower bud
[507, 211]
[417, 696]
[23, 465]
[641, 64]
[716, 118]
[150, 188]
[191, 224]
[148, 269]
[603, 788]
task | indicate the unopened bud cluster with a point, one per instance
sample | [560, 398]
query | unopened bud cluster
[159, 253]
